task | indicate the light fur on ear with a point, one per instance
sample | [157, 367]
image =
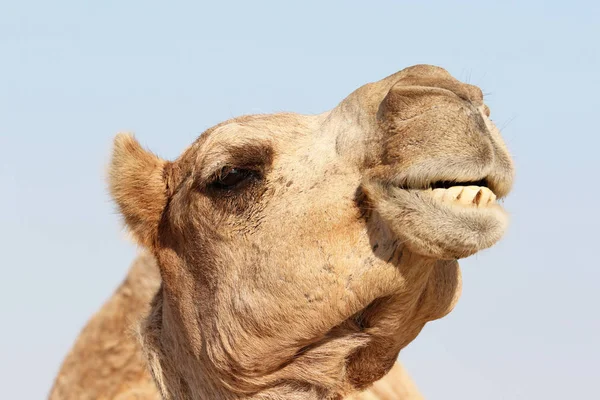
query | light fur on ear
[138, 186]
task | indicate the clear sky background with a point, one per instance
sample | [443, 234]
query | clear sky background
[73, 73]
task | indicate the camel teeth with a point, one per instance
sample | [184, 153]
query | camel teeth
[452, 194]
[469, 195]
[438, 194]
[474, 196]
[485, 197]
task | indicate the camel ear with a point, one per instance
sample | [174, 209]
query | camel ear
[138, 186]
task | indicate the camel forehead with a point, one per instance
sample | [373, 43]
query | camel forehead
[257, 127]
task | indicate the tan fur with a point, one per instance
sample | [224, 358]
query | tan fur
[395, 385]
[141, 191]
[306, 281]
[107, 361]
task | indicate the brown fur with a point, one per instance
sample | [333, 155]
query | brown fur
[307, 280]
[107, 361]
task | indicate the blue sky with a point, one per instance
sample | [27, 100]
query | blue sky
[72, 74]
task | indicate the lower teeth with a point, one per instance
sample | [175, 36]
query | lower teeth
[478, 196]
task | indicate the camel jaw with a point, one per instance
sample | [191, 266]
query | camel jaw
[441, 222]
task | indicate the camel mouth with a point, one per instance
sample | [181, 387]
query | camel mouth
[448, 184]
[472, 193]
[444, 219]
[466, 194]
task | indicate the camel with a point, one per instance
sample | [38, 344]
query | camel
[106, 361]
[299, 254]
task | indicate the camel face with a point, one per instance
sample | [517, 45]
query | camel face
[312, 249]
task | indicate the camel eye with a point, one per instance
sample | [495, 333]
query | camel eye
[231, 178]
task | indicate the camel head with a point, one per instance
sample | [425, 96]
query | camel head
[299, 254]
